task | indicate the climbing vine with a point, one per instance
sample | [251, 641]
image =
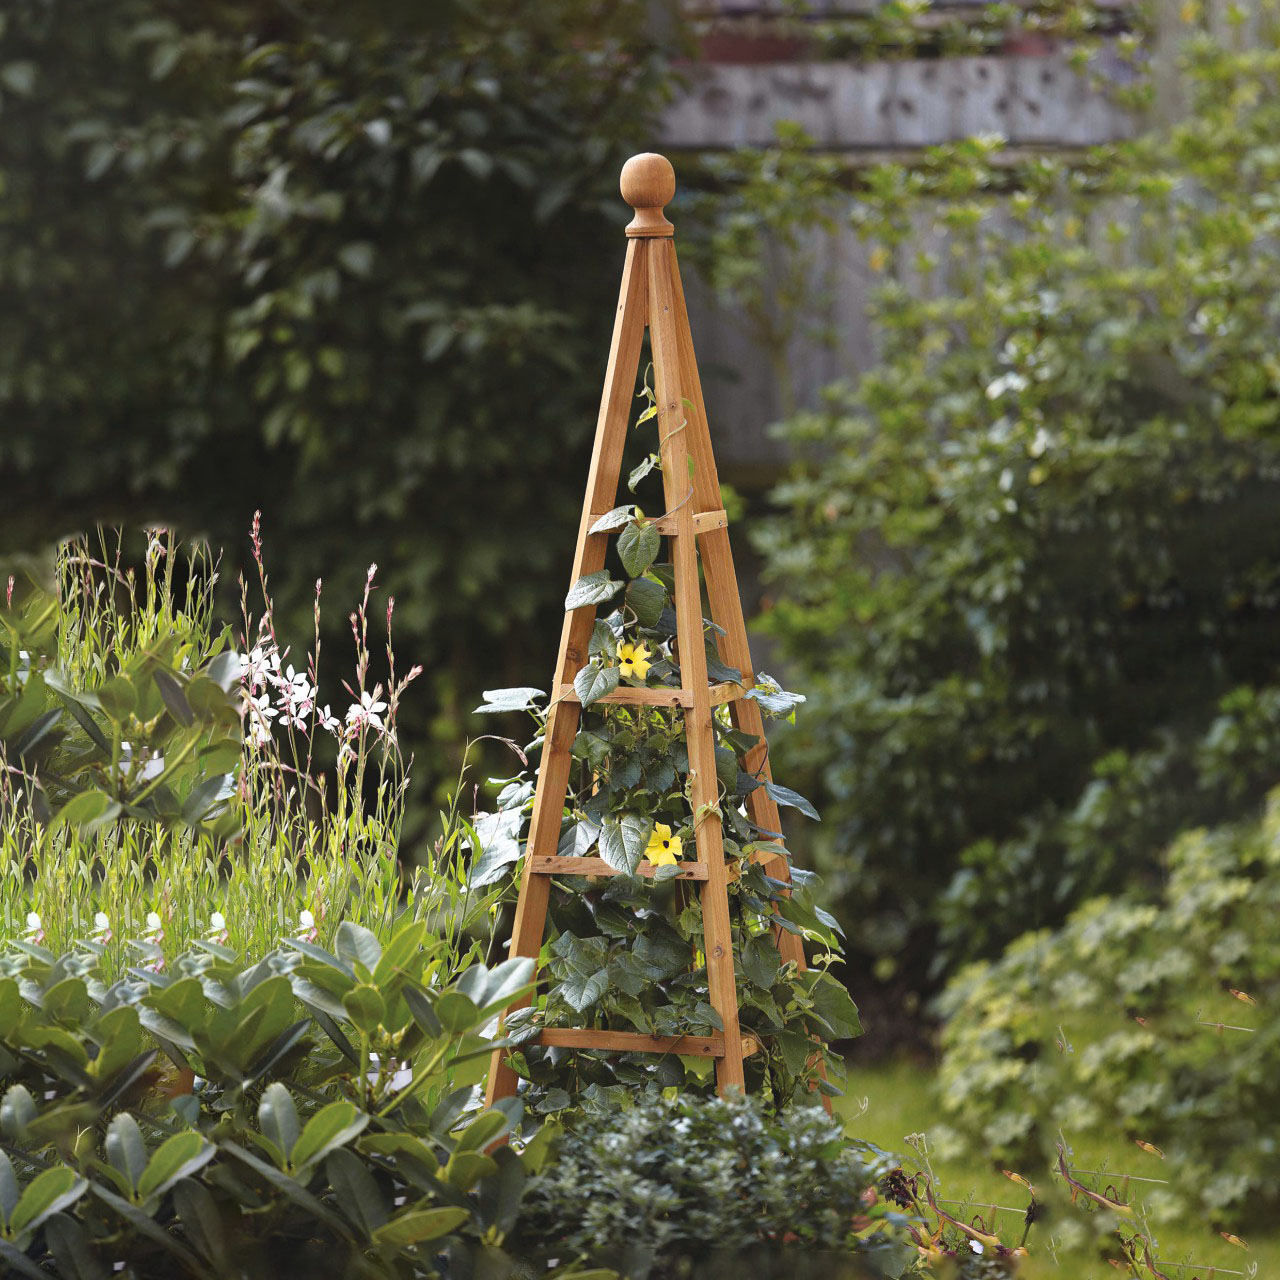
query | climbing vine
[625, 951]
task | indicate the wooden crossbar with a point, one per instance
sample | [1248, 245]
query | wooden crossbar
[695, 521]
[703, 522]
[693, 1046]
[558, 866]
[628, 695]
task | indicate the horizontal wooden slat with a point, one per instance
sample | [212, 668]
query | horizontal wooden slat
[703, 522]
[711, 1046]
[626, 695]
[729, 692]
[551, 865]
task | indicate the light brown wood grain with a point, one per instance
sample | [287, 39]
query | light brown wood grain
[700, 740]
[556, 866]
[657, 696]
[562, 720]
[695, 522]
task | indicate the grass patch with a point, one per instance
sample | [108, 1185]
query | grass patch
[899, 1097]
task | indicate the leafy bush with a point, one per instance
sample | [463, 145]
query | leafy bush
[309, 1114]
[666, 1187]
[112, 705]
[200, 788]
[1030, 553]
[1138, 1019]
[627, 952]
[317, 259]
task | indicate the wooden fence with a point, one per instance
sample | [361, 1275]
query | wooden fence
[866, 110]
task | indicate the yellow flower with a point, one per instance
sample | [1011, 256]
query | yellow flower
[633, 660]
[663, 849]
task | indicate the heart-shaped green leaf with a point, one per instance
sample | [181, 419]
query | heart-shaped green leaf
[638, 546]
[591, 588]
[623, 840]
[593, 683]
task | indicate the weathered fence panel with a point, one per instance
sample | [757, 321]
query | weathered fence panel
[867, 111]
[895, 105]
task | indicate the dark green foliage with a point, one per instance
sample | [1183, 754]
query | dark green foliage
[1141, 1021]
[1035, 548]
[307, 1115]
[353, 264]
[627, 953]
[667, 1185]
[109, 711]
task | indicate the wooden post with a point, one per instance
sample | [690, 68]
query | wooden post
[695, 522]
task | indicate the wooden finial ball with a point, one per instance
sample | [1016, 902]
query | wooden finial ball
[648, 183]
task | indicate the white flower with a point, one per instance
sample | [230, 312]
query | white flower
[300, 681]
[306, 920]
[368, 710]
[257, 666]
[217, 922]
[327, 720]
[261, 707]
[976, 1246]
[295, 717]
[154, 923]
[1005, 383]
[33, 922]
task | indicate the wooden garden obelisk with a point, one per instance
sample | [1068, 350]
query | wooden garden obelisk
[695, 522]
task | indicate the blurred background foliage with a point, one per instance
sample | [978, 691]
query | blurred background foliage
[1143, 1018]
[355, 265]
[1027, 569]
[352, 264]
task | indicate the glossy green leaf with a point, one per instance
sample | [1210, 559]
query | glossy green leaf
[125, 1148]
[417, 1225]
[357, 1193]
[331, 1127]
[178, 1156]
[47, 1193]
[278, 1117]
[357, 945]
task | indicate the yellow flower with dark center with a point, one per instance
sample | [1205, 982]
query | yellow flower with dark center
[633, 659]
[663, 849]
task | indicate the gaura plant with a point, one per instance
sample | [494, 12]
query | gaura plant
[117, 691]
[626, 952]
[284, 819]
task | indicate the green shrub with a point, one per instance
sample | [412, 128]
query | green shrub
[166, 783]
[308, 1114]
[1029, 555]
[1136, 1020]
[318, 258]
[680, 1186]
[627, 952]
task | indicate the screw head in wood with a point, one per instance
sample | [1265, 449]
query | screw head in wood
[648, 184]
